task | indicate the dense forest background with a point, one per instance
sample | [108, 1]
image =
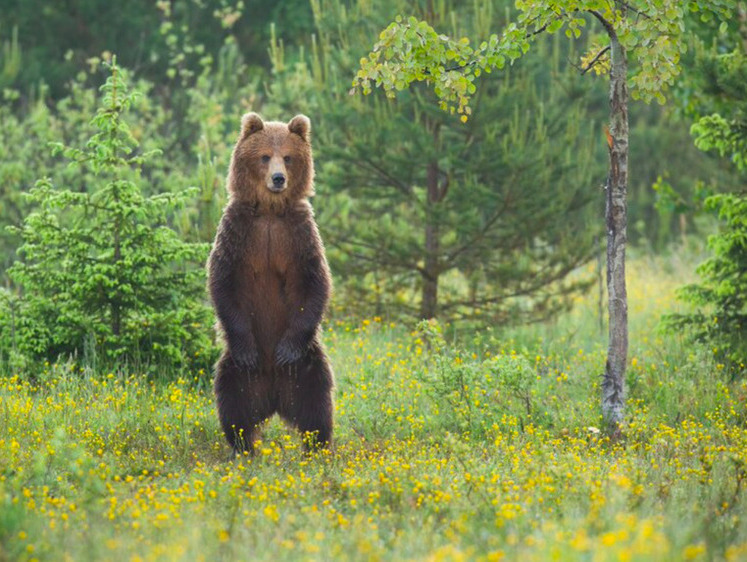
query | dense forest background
[516, 191]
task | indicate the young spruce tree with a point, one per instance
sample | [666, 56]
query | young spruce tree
[100, 272]
[719, 298]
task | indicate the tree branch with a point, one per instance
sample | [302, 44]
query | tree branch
[541, 29]
[637, 11]
[607, 25]
[387, 177]
[451, 257]
[521, 291]
[527, 36]
[347, 244]
[595, 60]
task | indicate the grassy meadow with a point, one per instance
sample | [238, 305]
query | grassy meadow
[447, 447]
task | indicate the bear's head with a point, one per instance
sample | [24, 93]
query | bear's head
[272, 164]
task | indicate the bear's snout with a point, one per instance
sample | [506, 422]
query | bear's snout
[278, 180]
[277, 175]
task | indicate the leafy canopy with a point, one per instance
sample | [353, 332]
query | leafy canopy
[410, 50]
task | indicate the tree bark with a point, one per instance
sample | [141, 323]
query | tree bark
[429, 305]
[613, 383]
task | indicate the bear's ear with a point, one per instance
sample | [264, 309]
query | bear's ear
[250, 124]
[301, 126]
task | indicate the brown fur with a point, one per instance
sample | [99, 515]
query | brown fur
[269, 282]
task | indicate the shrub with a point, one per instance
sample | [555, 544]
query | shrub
[721, 297]
[475, 395]
[100, 273]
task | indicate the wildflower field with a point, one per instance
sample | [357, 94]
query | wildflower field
[448, 447]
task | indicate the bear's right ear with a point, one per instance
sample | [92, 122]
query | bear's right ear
[250, 124]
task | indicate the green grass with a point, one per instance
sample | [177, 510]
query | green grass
[482, 449]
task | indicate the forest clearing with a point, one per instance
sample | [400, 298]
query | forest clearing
[482, 453]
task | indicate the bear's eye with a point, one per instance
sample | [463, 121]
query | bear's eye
[287, 159]
[265, 159]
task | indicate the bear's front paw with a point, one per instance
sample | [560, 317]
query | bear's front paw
[287, 352]
[245, 358]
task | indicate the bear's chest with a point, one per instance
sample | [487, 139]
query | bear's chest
[271, 249]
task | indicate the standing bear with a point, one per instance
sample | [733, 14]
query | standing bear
[269, 283]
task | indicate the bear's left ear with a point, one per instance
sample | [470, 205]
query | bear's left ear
[301, 126]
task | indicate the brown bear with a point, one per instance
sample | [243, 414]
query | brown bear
[269, 283]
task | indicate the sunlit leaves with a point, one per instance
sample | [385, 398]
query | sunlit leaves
[651, 32]
[413, 51]
[596, 59]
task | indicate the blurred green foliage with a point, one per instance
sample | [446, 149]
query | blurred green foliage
[153, 38]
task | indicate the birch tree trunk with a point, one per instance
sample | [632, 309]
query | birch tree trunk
[613, 383]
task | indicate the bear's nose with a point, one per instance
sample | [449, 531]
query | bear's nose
[278, 179]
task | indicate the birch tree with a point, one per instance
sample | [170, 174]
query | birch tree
[648, 34]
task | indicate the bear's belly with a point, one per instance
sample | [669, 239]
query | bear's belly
[270, 311]
[267, 283]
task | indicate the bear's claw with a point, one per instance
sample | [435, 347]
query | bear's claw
[287, 353]
[245, 359]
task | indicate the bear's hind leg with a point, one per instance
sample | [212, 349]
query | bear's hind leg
[306, 397]
[242, 403]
